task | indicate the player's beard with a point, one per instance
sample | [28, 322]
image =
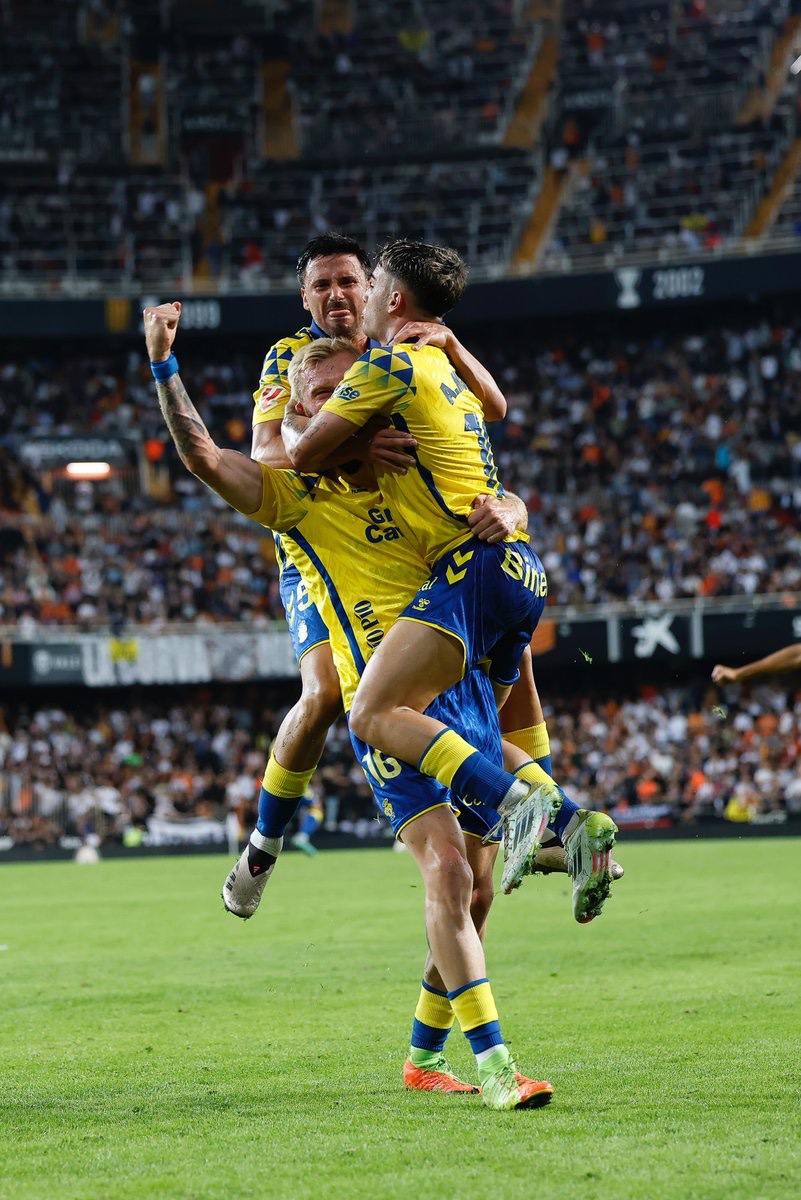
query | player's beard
[345, 326]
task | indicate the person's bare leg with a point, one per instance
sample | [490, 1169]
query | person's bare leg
[522, 708]
[426, 1068]
[481, 859]
[414, 664]
[438, 846]
[293, 760]
[301, 738]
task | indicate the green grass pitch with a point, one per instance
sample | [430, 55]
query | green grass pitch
[153, 1046]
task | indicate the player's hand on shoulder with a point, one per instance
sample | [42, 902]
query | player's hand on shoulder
[161, 326]
[493, 518]
[424, 333]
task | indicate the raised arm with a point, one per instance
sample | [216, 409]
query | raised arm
[232, 475]
[475, 374]
[268, 446]
[786, 659]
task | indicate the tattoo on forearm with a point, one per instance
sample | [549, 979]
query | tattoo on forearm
[183, 420]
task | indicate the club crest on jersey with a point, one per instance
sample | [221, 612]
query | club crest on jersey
[389, 811]
[269, 398]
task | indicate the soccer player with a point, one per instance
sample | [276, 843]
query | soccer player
[332, 272]
[325, 517]
[778, 663]
[482, 600]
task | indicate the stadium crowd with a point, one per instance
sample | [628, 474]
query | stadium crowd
[648, 754]
[654, 466]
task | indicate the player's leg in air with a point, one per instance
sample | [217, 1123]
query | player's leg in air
[296, 751]
[578, 841]
[480, 602]
[421, 812]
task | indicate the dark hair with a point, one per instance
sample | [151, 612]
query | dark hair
[331, 243]
[435, 275]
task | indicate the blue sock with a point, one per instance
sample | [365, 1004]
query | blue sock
[275, 814]
[561, 819]
[478, 776]
[308, 823]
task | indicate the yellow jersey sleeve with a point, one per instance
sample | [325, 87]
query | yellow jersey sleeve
[272, 395]
[379, 383]
[421, 393]
[286, 499]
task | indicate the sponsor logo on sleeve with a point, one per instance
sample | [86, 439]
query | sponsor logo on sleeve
[347, 393]
[269, 397]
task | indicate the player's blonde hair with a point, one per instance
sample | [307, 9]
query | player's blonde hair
[316, 352]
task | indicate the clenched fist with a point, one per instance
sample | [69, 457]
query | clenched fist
[161, 326]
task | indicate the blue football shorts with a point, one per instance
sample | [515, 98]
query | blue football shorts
[401, 793]
[490, 597]
[307, 628]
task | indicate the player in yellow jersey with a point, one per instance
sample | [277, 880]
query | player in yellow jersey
[332, 272]
[481, 600]
[323, 518]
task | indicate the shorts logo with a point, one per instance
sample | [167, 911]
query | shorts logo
[303, 632]
[460, 558]
[269, 398]
[421, 604]
[389, 811]
[348, 393]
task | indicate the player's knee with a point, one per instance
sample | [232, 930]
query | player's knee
[449, 879]
[364, 723]
[321, 702]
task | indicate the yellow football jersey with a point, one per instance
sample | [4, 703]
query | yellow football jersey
[420, 392]
[272, 395]
[359, 569]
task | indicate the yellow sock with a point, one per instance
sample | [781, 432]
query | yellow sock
[532, 773]
[444, 756]
[475, 1010]
[474, 1006]
[286, 785]
[534, 740]
[434, 1009]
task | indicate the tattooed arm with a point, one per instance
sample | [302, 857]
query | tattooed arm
[232, 475]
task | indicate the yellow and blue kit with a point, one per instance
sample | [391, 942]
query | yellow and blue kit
[490, 597]
[420, 393]
[306, 627]
[272, 395]
[360, 571]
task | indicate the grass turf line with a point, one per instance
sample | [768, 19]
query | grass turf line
[153, 1046]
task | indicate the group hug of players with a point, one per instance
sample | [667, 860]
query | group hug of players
[411, 594]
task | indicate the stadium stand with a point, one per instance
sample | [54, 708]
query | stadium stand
[655, 755]
[659, 458]
[667, 167]
[654, 467]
